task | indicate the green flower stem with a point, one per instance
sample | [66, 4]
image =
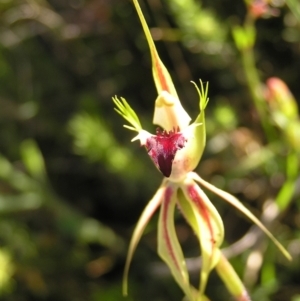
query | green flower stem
[246, 47]
[286, 192]
[255, 88]
[231, 279]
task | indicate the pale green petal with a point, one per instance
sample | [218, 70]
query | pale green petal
[236, 203]
[168, 246]
[169, 113]
[139, 229]
[207, 224]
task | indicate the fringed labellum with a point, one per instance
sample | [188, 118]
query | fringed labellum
[163, 147]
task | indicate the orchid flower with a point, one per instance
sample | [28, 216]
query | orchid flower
[176, 150]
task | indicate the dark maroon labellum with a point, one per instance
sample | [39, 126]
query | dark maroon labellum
[162, 149]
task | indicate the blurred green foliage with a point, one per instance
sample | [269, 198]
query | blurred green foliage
[72, 185]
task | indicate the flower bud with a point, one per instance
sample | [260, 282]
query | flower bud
[281, 100]
[262, 8]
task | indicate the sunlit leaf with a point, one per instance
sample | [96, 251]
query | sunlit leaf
[33, 159]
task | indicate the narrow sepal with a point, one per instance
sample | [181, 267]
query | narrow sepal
[207, 224]
[162, 78]
[168, 246]
[236, 203]
[139, 229]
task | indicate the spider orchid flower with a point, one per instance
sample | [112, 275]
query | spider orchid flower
[176, 150]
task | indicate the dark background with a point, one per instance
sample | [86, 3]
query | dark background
[72, 185]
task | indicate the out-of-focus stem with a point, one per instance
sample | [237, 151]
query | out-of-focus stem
[294, 6]
[253, 81]
[286, 192]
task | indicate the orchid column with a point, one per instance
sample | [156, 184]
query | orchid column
[176, 150]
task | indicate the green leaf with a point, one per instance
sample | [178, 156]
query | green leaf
[285, 194]
[244, 37]
[294, 6]
[33, 159]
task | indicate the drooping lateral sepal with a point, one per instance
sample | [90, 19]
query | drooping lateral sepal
[207, 224]
[168, 246]
[237, 204]
[139, 229]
